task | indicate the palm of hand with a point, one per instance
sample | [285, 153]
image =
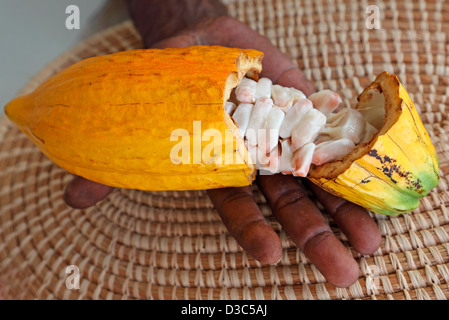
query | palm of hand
[287, 197]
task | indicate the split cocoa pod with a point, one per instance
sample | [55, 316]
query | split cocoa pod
[156, 120]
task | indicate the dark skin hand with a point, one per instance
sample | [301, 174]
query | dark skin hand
[286, 195]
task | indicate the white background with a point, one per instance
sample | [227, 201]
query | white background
[33, 33]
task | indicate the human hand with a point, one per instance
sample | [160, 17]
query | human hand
[286, 195]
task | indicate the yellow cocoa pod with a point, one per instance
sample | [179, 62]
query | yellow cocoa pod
[155, 120]
[389, 173]
[115, 119]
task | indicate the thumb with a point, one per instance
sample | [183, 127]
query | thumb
[276, 65]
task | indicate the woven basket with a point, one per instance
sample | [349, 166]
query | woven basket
[172, 245]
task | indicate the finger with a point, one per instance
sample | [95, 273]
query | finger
[240, 214]
[277, 65]
[305, 225]
[81, 193]
[353, 220]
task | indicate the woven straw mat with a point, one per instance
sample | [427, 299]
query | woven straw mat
[172, 245]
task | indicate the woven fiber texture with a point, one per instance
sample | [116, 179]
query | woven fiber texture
[172, 245]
